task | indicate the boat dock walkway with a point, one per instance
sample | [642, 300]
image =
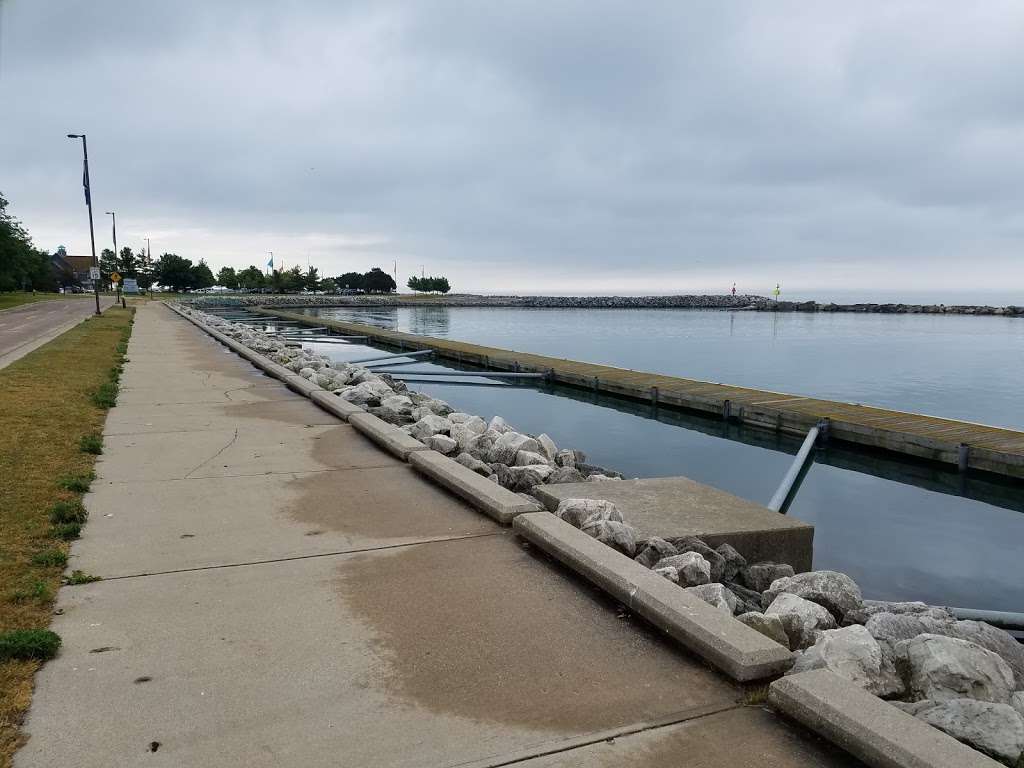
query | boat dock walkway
[962, 444]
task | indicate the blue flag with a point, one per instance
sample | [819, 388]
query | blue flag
[85, 182]
[270, 263]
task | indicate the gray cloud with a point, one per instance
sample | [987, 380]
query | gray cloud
[578, 146]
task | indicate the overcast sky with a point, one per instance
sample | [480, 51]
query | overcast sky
[569, 147]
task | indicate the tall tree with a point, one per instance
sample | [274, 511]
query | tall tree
[294, 280]
[350, 280]
[108, 266]
[251, 278]
[311, 280]
[127, 263]
[174, 272]
[228, 278]
[22, 266]
[144, 270]
[378, 281]
[202, 275]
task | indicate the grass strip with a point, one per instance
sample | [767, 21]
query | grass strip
[54, 404]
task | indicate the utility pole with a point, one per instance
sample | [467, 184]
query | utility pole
[88, 202]
[113, 224]
[149, 264]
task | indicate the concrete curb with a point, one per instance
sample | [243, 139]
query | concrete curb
[388, 436]
[330, 402]
[867, 727]
[487, 496]
[737, 650]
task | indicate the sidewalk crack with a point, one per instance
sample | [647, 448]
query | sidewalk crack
[218, 453]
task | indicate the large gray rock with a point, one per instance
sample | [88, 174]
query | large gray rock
[872, 607]
[669, 573]
[479, 446]
[481, 468]
[734, 561]
[995, 729]
[615, 534]
[693, 544]
[440, 443]
[759, 576]
[525, 478]
[769, 626]
[942, 668]
[830, 589]
[569, 458]
[528, 458]
[430, 425]
[547, 447]
[716, 595]
[801, 618]
[499, 425]
[578, 512]
[852, 653]
[652, 550]
[748, 599]
[565, 475]
[508, 445]
[891, 628]
[693, 569]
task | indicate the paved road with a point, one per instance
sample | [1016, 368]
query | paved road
[277, 591]
[25, 328]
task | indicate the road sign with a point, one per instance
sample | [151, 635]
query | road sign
[115, 277]
[94, 273]
[131, 285]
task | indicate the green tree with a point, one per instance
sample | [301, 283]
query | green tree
[228, 278]
[311, 280]
[127, 263]
[350, 280]
[276, 281]
[440, 284]
[328, 285]
[202, 275]
[144, 270]
[251, 278]
[415, 283]
[108, 266]
[378, 281]
[174, 272]
[22, 266]
[294, 280]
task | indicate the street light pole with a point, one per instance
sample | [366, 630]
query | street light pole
[149, 263]
[88, 202]
[113, 224]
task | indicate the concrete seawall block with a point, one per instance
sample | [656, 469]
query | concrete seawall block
[331, 403]
[737, 650]
[867, 727]
[298, 384]
[487, 496]
[678, 506]
[387, 436]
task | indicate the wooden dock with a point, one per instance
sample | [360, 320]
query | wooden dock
[963, 444]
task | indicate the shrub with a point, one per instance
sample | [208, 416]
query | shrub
[81, 577]
[41, 644]
[37, 590]
[50, 558]
[91, 444]
[76, 483]
[67, 531]
[106, 395]
[68, 512]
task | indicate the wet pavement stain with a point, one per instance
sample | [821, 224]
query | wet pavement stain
[483, 629]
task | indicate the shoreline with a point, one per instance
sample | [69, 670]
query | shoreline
[742, 303]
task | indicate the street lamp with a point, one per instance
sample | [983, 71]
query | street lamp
[113, 224]
[88, 202]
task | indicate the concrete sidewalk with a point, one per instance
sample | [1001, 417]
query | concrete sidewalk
[280, 592]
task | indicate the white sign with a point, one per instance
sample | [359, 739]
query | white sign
[131, 285]
[94, 273]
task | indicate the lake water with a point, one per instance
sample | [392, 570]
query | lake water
[904, 530]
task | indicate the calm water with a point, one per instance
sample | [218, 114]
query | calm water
[903, 530]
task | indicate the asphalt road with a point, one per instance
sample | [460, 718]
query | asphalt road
[25, 328]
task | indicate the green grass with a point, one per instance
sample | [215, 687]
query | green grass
[50, 558]
[37, 644]
[49, 435]
[17, 298]
[92, 443]
[81, 577]
[77, 483]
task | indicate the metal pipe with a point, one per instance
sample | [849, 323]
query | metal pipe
[1001, 619]
[420, 353]
[442, 382]
[802, 457]
[487, 374]
[300, 340]
[303, 329]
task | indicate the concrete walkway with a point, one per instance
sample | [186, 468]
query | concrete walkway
[28, 327]
[279, 592]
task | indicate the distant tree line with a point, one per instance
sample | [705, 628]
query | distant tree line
[126, 263]
[431, 284]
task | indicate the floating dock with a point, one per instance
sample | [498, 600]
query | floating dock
[962, 444]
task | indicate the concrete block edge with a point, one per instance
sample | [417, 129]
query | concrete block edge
[732, 647]
[870, 729]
